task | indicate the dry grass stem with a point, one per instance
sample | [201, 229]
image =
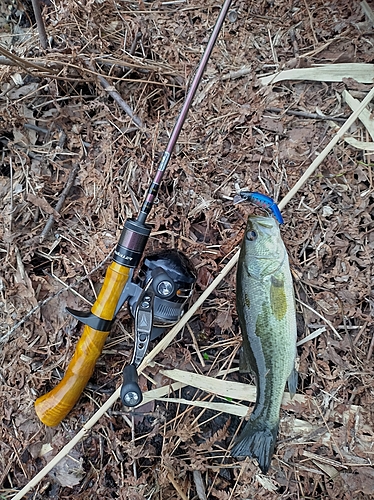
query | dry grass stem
[311, 336]
[224, 388]
[177, 487]
[365, 116]
[196, 346]
[328, 322]
[363, 73]
[368, 11]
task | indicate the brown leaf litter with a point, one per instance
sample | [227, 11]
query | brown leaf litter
[55, 115]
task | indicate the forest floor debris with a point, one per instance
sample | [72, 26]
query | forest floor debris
[55, 116]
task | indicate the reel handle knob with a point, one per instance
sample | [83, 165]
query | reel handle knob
[131, 395]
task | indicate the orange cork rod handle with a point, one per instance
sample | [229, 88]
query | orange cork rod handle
[56, 404]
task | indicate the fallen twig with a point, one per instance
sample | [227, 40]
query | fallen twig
[371, 349]
[135, 42]
[147, 396]
[40, 23]
[8, 62]
[178, 489]
[50, 67]
[365, 117]
[303, 114]
[233, 75]
[23, 63]
[60, 203]
[113, 93]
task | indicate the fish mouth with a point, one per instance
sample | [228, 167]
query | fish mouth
[264, 222]
[265, 226]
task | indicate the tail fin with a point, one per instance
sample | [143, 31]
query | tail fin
[257, 440]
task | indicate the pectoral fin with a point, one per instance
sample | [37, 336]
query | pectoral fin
[292, 382]
[278, 300]
[244, 361]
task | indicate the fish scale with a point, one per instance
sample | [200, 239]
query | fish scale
[266, 311]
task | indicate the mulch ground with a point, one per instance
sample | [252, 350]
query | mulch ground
[55, 116]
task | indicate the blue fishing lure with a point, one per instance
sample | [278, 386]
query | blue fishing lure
[263, 201]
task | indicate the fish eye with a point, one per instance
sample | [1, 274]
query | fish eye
[251, 235]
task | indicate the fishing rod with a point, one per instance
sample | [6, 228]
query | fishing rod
[157, 299]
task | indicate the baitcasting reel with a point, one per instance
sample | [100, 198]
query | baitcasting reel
[157, 301]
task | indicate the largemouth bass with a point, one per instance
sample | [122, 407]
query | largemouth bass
[266, 309]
